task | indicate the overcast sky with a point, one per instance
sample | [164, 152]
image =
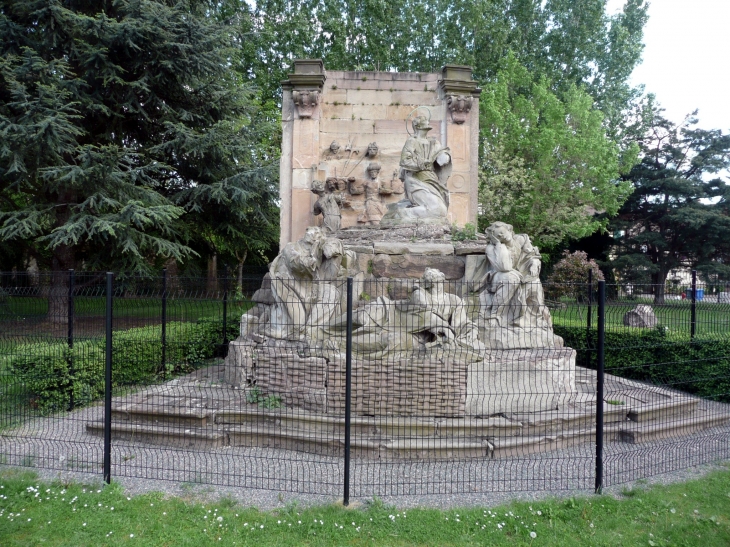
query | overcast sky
[687, 59]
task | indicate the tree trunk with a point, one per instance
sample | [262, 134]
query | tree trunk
[659, 279]
[239, 279]
[212, 282]
[62, 261]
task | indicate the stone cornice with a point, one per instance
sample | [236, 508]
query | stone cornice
[456, 80]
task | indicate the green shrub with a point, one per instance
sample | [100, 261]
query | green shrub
[700, 366]
[51, 373]
[469, 232]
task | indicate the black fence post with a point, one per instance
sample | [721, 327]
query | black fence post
[599, 384]
[164, 323]
[693, 306]
[108, 381]
[70, 338]
[348, 393]
[225, 310]
[589, 320]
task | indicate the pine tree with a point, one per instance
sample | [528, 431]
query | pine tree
[679, 214]
[122, 126]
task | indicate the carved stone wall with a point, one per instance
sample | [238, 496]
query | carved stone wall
[330, 118]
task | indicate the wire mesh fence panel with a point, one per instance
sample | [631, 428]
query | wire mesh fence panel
[51, 365]
[456, 387]
[668, 364]
[471, 390]
[240, 421]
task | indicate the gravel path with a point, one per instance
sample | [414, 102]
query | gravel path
[270, 478]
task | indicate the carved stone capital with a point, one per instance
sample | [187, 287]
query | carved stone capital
[305, 101]
[306, 83]
[456, 80]
[459, 106]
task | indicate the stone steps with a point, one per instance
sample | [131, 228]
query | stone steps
[179, 437]
[196, 412]
[652, 431]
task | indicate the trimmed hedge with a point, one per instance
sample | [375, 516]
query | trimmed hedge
[700, 366]
[52, 374]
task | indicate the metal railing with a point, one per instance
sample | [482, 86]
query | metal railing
[124, 376]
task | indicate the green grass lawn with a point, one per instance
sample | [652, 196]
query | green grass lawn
[711, 318]
[34, 512]
[29, 307]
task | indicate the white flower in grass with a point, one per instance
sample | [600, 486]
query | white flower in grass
[220, 519]
[533, 535]
[131, 535]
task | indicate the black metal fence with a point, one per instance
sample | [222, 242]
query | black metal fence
[360, 388]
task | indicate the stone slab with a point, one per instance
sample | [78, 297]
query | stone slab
[406, 248]
[360, 249]
[413, 266]
[435, 449]
[516, 447]
[663, 409]
[512, 381]
[476, 248]
[201, 439]
[651, 431]
[490, 427]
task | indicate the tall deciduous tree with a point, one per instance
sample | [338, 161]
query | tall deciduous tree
[679, 212]
[565, 168]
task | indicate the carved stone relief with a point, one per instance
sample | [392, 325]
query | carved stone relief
[374, 206]
[305, 101]
[328, 205]
[459, 106]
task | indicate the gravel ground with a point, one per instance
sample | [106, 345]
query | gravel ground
[270, 478]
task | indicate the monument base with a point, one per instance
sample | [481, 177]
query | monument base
[520, 380]
[438, 385]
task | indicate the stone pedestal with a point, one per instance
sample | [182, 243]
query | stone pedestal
[521, 380]
[506, 381]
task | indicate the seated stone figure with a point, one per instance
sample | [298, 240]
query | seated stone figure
[512, 310]
[425, 169]
[301, 283]
[445, 318]
[429, 319]
[512, 294]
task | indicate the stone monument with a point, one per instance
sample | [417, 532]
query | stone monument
[334, 123]
[453, 350]
[458, 328]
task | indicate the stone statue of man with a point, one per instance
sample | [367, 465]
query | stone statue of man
[328, 205]
[425, 169]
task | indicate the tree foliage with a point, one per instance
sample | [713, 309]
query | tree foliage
[124, 131]
[679, 212]
[565, 168]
